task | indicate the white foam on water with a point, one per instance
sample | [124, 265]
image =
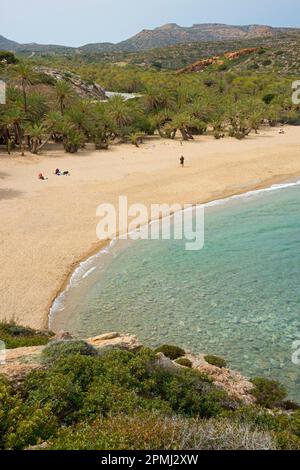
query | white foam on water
[87, 267]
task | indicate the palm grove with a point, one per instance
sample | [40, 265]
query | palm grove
[40, 109]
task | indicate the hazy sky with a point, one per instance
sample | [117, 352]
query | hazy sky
[77, 22]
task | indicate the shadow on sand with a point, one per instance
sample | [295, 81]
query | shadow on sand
[6, 193]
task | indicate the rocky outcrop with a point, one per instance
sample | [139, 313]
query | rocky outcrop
[218, 60]
[83, 88]
[236, 385]
[21, 361]
[115, 341]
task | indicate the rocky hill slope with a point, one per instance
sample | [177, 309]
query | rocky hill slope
[219, 60]
[162, 36]
[171, 34]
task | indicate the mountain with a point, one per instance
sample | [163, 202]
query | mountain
[6, 44]
[171, 34]
[166, 35]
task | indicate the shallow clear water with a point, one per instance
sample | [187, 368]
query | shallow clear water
[239, 297]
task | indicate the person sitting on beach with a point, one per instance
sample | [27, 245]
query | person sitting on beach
[281, 131]
[61, 173]
[41, 176]
[182, 161]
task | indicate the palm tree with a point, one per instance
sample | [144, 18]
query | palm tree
[36, 134]
[26, 75]
[53, 121]
[63, 91]
[82, 116]
[159, 122]
[120, 114]
[37, 107]
[73, 139]
[158, 99]
[137, 138]
[12, 120]
[184, 123]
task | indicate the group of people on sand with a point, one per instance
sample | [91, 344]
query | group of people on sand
[57, 172]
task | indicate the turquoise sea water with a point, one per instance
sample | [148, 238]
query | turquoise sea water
[239, 297]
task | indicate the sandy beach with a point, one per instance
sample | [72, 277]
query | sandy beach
[48, 227]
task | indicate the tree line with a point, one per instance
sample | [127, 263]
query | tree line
[40, 109]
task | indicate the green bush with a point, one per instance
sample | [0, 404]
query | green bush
[268, 393]
[290, 405]
[267, 99]
[286, 441]
[15, 336]
[76, 388]
[223, 67]
[215, 361]
[57, 349]
[8, 56]
[130, 396]
[184, 361]
[267, 62]
[172, 352]
[21, 423]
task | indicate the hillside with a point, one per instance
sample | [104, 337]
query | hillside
[6, 44]
[166, 35]
[171, 34]
[279, 53]
[282, 58]
[218, 60]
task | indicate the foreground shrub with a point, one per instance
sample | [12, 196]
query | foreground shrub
[15, 336]
[74, 390]
[151, 432]
[172, 352]
[22, 424]
[268, 393]
[215, 361]
[57, 349]
[286, 441]
[184, 361]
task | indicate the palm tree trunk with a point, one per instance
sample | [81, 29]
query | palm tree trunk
[62, 107]
[44, 143]
[24, 96]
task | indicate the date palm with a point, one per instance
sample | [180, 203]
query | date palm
[13, 120]
[184, 123]
[120, 113]
[25, 75]
[38, 137]
[157, 99]
[64, 91]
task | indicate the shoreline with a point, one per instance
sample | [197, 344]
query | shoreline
[49, 227]
[265, 185]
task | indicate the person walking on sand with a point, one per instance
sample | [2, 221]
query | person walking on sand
[182, 161]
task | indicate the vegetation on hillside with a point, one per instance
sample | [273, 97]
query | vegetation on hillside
[40, 109]
[278, 54]
[115, 399]
[15, 336]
